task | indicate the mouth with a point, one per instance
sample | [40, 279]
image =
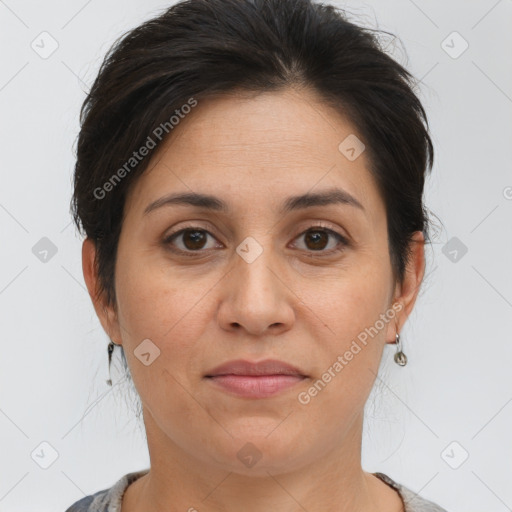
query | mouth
[255, 380]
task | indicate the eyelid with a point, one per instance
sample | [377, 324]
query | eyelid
[343, 240]
[334, 229]
[192, 226]
[315, 225]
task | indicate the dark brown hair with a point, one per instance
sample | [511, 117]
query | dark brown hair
[199, 48]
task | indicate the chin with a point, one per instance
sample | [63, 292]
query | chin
[260, 453]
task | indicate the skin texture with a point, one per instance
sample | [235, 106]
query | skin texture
[291, 303]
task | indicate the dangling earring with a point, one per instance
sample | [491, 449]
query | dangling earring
[110, 349]
[400, 357]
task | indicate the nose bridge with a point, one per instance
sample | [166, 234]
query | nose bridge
[256, 298]
[254, 267]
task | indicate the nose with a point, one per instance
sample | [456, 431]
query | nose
[256, 295]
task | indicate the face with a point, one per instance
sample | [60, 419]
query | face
[255, 281]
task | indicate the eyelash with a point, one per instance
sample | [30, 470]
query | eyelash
[343, 242]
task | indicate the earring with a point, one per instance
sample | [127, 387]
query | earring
[110, 349]
[400, 357]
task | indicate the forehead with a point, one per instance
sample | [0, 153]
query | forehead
[249, 148]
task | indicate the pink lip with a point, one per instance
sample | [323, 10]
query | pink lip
[266, 367]
[255, 380]
[251, 386]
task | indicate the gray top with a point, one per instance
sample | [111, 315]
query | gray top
[109, 500]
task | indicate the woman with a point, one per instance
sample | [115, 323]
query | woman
[249, 178]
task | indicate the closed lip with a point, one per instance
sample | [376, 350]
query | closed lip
[266, 367]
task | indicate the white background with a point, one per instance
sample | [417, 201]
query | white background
[53, 364]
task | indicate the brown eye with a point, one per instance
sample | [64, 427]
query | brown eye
[192, 240]
[317, 238]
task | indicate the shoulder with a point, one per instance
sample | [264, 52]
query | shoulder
[413, 502]
[106, 500]
[85, 504]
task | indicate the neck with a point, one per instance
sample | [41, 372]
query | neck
[332, 482]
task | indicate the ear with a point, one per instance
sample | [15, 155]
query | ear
[106, 314]
[406, 292]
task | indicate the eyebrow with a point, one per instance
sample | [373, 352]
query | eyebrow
[209, 202]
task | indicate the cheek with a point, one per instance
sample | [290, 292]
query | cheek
[167, 313]
[173, 309]
[151, 300]
[350, 302]
[348, 312]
